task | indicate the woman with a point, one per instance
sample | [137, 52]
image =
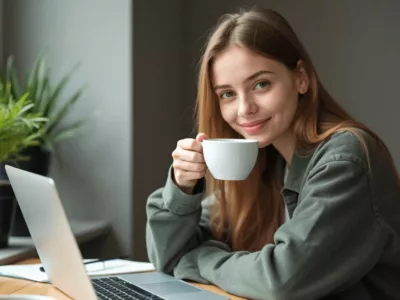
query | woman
[318, 217]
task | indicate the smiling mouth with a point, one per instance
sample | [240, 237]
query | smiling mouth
[253, 127]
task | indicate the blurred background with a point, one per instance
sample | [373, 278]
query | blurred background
[138, 61]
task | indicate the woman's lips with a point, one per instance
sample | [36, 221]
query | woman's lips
[253, 127]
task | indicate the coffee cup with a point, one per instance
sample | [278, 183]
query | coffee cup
[230, 159]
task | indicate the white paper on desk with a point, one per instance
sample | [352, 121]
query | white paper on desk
[109, 267]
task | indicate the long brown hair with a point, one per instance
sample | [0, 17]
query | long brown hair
[249, 219]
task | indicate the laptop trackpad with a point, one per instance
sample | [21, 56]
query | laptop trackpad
[173, 287]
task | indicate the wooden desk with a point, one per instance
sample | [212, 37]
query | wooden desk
[11, 286]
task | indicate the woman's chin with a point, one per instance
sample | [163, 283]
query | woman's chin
[262, 142]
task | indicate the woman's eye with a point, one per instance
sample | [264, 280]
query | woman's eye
[226, 95]
[262, 84]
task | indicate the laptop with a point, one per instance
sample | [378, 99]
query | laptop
[59, 253]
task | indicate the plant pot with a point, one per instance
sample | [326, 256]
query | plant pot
[7, 206]
[39, 163]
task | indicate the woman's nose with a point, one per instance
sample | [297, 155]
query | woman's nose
[247, 106]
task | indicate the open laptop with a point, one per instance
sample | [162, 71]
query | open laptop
[58, 251]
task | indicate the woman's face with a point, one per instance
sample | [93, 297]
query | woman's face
[258, 97]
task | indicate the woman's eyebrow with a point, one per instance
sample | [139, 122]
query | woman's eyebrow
[251, 77]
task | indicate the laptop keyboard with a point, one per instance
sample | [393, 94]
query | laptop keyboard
[111, 288]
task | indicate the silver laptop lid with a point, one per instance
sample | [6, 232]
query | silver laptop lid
[51, 233]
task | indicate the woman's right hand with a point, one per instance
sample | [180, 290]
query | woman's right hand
[188, 163]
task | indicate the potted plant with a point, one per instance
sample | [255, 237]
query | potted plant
[20, 128]
[49, 101]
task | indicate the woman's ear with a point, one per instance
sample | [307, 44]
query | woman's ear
[303, 81]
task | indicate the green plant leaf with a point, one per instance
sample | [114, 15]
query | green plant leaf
[35, 80]
[54, 97]
[18, 127]
[11, 76]
[68, 132]
[25, 109]
[42, 97]
[35, 105]
[63, 111]
[27, 81]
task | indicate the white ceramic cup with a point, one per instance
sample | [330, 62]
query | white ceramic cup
[230, 159]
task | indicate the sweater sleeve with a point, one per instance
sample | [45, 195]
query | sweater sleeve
[176, 223]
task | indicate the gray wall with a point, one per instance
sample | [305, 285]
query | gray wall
[355, 47]
[95, 177]
[161, 112]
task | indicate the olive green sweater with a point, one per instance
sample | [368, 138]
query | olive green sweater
[341, 241]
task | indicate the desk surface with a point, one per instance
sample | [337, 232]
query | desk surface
[11, 286]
